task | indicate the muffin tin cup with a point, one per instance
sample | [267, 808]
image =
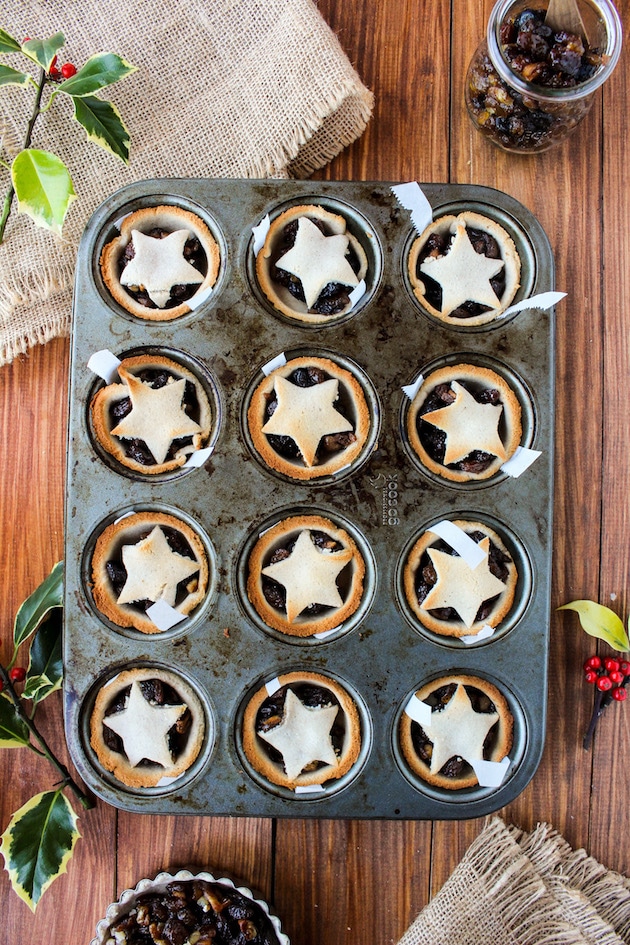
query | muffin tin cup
[383, 501]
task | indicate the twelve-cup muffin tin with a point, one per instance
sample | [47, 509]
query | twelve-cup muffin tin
[382, 656]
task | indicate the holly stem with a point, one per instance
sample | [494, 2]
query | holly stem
[8, 200]
[600, 704]
[46, 751]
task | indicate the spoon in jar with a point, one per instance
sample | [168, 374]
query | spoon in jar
[565, 15]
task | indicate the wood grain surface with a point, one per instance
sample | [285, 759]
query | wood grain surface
[358, 882]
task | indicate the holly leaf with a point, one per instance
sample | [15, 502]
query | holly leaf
[38, 844]
[43, 51]
[103, 124]
[98, 72]
[45, 668]
[38, 605]
[14, 731]
[8, 44]
[13, 77]
[43, 187]
[602, 622]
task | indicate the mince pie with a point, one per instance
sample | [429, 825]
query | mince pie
[464, 269]
[305, 575]
[147, 724]
[155, 417]
[163, 257]
[305, 731]
[464, 422]
[310, 263]
[309, 418]
[451, 598]
[144, 558]
[470, 722]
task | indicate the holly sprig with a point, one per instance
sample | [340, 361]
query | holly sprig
[608, 675]
[40, 181]
[40, 838]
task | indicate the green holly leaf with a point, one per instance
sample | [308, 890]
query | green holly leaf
[38, 844]
[43, 187]
[43, 51]
[37, 607]
[103, 124]
[13, 77]
[45, 668]
[8, 44]
[98, 72]
[14, 731]
[602, 622]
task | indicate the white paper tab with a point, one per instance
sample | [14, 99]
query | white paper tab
[460, 542]
[163, 615]
[259, 233]
[199, 298]
[412, 198]
[543, 301]
[419, 711]
[273, 685]
[412, 389]
[198, 458]
[470, 638]
[357, 294]
[520, 461]
[309, 788]
[490, 773]
[326, 633]
[105, 364]
[273, 364]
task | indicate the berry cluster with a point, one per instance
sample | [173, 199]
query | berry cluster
[56, 73]
[609, 675]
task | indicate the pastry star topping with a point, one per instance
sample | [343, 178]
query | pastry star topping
[157, 415]
[461, 587]
[469, 425]
[308, 575]
[317, 260]
[303, 736]
[154, 570]
[463, 274]
[457, 730]
[159, 264]
[306, 414]
[144, 727]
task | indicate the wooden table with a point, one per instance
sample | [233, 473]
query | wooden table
[358, 882]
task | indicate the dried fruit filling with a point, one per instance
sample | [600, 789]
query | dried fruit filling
[271, 714]
[434, 439]
[117, 572]
[157, 692]
[275, 593]
[437, 245]
[193, 254]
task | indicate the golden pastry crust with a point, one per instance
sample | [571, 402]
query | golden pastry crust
[473, 378]
[107, 397]
[501, 734]
[349, 580]
[350, 397]
[446, 227]
[169, 218]
[147, 775]
[129, 531]
[278, 295]
[456, 627]
[273, 770]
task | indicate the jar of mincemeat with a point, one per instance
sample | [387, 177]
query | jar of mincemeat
[530, 83]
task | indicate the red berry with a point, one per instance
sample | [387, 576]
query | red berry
[619, 694]
[616, 677]
[611, 664]
[604, 683]
[17, 674]
[590, 676]
[593, 662]
[68, 70]
[1, 685]
[624, 667]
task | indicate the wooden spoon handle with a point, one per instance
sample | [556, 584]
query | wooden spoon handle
[565, 15]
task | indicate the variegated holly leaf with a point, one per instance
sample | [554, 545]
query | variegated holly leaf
[45, 667]
[43, 51]
[43, 187]
[38, 605]
[14, 731]
[38, 843]
[602, 622]
[103, 124]
[98, 72]
[8, 44]
[13, 77]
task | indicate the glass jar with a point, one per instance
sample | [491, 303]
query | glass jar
[505, 102]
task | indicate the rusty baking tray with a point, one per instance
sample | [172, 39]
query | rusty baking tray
[382, 658]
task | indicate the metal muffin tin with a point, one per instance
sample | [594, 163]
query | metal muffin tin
[383, 656]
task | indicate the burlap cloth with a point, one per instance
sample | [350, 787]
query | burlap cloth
[224, 88]
[517, 888]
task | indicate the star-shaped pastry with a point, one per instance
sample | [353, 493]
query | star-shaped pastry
[306, 414]
[457, 730]
[463, 274]
[316, 260]
[144, 727]
[468, 425]
[308, 575]
[157, 415]
[303, 736]
[154, 570]
[461, 587]
[159, 264]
